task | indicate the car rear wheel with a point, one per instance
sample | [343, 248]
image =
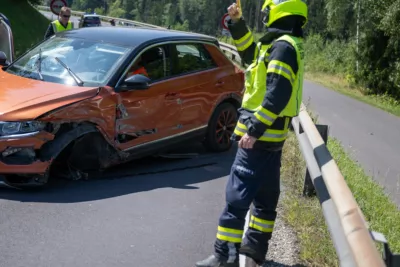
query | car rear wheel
[220, 128]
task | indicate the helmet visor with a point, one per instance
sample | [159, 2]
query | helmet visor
[265, 10]
[266, 4]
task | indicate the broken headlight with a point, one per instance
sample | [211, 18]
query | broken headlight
[17, 128]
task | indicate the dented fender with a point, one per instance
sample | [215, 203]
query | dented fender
[99, 110]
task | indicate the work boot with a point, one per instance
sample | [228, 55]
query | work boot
[213, 261]
[250, 252]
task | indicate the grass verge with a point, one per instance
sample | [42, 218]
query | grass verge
[28, 25]
[305, 214]
[340, 85]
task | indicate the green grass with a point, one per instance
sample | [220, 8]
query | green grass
[28, 24]
[339, 84]
[305, 214]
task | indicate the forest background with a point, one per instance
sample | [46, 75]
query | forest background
[357, 41]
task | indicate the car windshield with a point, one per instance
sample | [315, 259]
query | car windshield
[93, 62]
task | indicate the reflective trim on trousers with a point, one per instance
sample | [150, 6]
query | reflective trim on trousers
[261, 225]
[230, 235]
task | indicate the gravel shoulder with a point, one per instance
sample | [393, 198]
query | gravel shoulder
[284, 248]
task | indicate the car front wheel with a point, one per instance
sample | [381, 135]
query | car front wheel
[221, 127]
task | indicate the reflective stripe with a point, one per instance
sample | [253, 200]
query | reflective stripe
[244, 42]
[240, 130]
[258, 50]
[230, 235]
[265, 116]
[261, 225]
[281, 68]
[269, 135]
[262, 57]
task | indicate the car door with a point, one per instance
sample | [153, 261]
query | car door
[153, 114]
[6, 40]
[196, 79]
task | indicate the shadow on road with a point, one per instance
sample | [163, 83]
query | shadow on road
[134, 177]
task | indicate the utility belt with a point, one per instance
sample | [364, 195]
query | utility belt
[273, 138]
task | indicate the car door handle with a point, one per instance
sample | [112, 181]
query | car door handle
[219, 83]
[170, 96]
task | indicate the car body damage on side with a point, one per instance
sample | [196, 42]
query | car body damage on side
[88, 99]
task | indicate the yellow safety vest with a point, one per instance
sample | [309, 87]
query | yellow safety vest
[58, 27]
[255, 84]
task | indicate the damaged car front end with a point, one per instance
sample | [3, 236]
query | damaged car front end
[20, 144]
[56, 114]
[68, 142]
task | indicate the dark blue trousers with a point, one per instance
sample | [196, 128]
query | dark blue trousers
[254, 178]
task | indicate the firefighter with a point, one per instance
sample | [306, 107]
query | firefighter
[273, 95]
[137, 68]
[61, 24]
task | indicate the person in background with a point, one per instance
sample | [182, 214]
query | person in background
[61, 24]
[112, 22]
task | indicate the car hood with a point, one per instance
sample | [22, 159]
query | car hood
[24, 99]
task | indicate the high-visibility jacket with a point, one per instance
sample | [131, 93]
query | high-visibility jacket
[58, 27]
[140, 70]
[275, 126]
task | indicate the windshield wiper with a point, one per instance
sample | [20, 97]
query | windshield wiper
[78, 81]
[39, 64]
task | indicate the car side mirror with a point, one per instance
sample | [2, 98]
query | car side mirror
[3, 59]
[135, 82]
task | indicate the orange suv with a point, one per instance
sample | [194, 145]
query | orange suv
[71, 104]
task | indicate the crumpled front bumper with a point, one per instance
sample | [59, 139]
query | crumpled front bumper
[21, 156]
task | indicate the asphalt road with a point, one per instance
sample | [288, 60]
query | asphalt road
[371, 135]
[153, 212]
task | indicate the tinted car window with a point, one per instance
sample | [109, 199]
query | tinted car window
[156, 62]
[192, 57]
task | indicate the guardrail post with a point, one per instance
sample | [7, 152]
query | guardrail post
[390, 259]
[308, 188]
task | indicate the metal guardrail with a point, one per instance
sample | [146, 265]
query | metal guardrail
[353, 242]
[104, 18]
[350, 235]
